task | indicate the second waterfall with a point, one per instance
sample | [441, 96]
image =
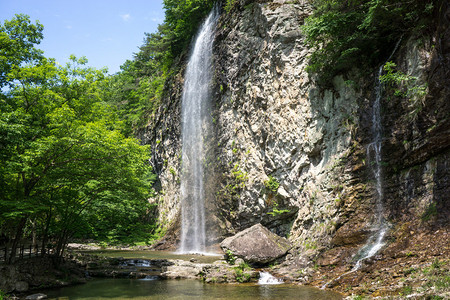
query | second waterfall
[194, 108]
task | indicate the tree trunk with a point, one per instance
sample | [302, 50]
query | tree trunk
[60, 245]
[33, 232]
[17, 238]
[45, 234]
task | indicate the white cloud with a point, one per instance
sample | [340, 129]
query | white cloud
[126, 17]
[68, 26]
[157, 20]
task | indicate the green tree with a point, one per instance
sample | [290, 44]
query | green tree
[62, 150]
[137, 90]
[17, 40]
[182, 21]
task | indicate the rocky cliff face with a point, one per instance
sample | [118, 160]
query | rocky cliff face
[291, 156]
[275, 126]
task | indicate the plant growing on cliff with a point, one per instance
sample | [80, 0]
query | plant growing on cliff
[229, 257]
[272, 184]
[240, 177]
[430, 212]
[229, 5]
[240, 274]
[404, 85]
[172, 171]
[236, 181]
[360, 33]
[276, 212]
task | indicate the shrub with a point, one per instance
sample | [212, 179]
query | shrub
[345, 34]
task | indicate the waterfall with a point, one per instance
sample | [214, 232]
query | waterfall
[267, 278]
[376, 241]
[194, 108]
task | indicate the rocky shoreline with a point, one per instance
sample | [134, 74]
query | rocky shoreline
[413, 268]
[37, 273]
[40, 273]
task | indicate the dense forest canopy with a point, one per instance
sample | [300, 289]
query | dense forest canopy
[67, 168]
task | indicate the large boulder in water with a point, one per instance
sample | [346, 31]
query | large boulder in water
[256, 245]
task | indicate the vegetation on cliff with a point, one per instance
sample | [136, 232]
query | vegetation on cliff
[345, 34]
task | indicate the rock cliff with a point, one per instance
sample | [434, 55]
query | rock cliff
[292, 156]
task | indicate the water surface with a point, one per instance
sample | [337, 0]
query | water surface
[185, 289]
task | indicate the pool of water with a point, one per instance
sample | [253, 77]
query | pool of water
[185, 289]
[129, 254]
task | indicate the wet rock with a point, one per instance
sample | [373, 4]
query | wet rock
[256, 245]
[182, 270]
[36, 297]
[21, 286]
[221, 272]
[335, 256]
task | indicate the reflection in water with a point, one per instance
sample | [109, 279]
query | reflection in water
[185, 289]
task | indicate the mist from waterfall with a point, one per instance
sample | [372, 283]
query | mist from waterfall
[195, 117]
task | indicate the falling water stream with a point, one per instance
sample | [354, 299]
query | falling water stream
[376, 241]
[195, 101]
[267, 278]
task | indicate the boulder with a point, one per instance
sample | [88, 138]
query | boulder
[21, 286]
[256, 245]
[182, 270]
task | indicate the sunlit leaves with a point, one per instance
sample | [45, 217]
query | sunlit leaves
[182, 20]
[17, 40]
[62, 150]
[136, 91]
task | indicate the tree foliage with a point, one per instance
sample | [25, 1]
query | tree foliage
[137, 90]
[64, 156]
[182, 20]
[17, 40]
[345, 34]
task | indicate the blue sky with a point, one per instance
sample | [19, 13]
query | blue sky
[106, 32]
